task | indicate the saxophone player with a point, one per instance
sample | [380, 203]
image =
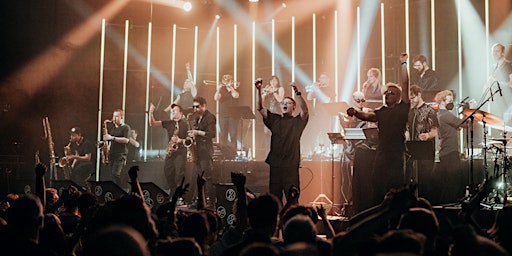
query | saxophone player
[118, 135]
[176, 157]
[81, 157]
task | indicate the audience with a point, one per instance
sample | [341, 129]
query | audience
[75, 224]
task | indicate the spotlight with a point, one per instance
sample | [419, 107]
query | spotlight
[253, 1]
[283, 5]
[217, 17]
[187, 6]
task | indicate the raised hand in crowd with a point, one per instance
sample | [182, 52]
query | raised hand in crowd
[201, 196]
[134, 181]
[329, 230]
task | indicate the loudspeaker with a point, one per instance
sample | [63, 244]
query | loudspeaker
[153, 195]
[106, 191]
[225, 197]
[61, 185]
[23, 186]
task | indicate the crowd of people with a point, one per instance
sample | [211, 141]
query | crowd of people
[74, 223]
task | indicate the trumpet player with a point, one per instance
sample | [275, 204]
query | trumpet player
[118, 135]
[227, 97]
[176, 158]
[80, 157]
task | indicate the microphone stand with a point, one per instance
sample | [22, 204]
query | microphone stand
[472, 186]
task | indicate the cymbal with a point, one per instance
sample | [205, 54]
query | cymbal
[502, 140]
[500, 127]
[482, 116]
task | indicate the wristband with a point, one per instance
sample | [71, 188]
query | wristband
[404, 63]
[298, 93]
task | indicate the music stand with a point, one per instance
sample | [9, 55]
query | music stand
[241, 113]
[420, 150]
[335, 138]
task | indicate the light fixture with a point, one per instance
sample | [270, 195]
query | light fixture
[217, 17]
[187, 6]
[283, 5]
[253, 1]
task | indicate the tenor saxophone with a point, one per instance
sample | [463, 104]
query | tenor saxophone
[172, 146]
[103, 145]
[190, 143]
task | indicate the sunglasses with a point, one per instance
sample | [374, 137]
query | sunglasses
[359, 100]
[196, 106]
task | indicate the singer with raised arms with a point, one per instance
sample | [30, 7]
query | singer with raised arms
[388, 171]
[284, 155]
[118, 135]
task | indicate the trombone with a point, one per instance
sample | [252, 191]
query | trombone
[235, 85]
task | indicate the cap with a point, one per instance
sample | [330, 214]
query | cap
[76, 130]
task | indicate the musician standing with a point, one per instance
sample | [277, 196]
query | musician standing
[502, 76]
[372, 88]
[227, 96]
[81, 159]
[284, 155]
[185, 98]
[320, 90]
[203, 132]
[175, 160]
[448, 171]
[118, 135]
[388, 169]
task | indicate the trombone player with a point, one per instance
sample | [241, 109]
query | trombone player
[227, 97]
[79, 157]
[176, 157]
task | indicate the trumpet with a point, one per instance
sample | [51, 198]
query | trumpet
[235, 84]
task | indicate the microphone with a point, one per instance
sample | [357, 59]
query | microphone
[464, 100]
[492, 95]
[499, 89]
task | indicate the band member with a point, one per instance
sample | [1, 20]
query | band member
[358, 103]
[372, 88]
[320, 90]
[426, 78]
[176, 158]
[118, 135]
[284, 155]
[449, 169]
[81, 158]
[273, 94]
[203, 132]
[502, 81]
[133, 147]
[227, 96]
[186, 97]
[388, 169]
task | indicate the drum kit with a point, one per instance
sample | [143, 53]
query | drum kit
[495, 151]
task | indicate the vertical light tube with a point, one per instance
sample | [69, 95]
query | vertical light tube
[235, 55]
[173, 61]
[253, 90]
[433, 31]
[314, 50]
[358, 38]
[217, 76]
[459, 59]
[148, 78]
[196, 40]
[383, 45]
[273, 47]
[125, 61]
[487, 42]
[100, 97]
[336, 54]
[407, 32]
[293, 48]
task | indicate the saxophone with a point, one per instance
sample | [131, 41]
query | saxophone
[172, 146]
[103, 145]
[65, 163]
[190, 143]
[48, 135]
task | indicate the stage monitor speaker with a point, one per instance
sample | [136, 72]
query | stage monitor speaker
[106, 191]
[153, 195]
[60, 185]
[225, 195]
[23, 186]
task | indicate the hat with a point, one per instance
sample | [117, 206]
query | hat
[76, 130]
